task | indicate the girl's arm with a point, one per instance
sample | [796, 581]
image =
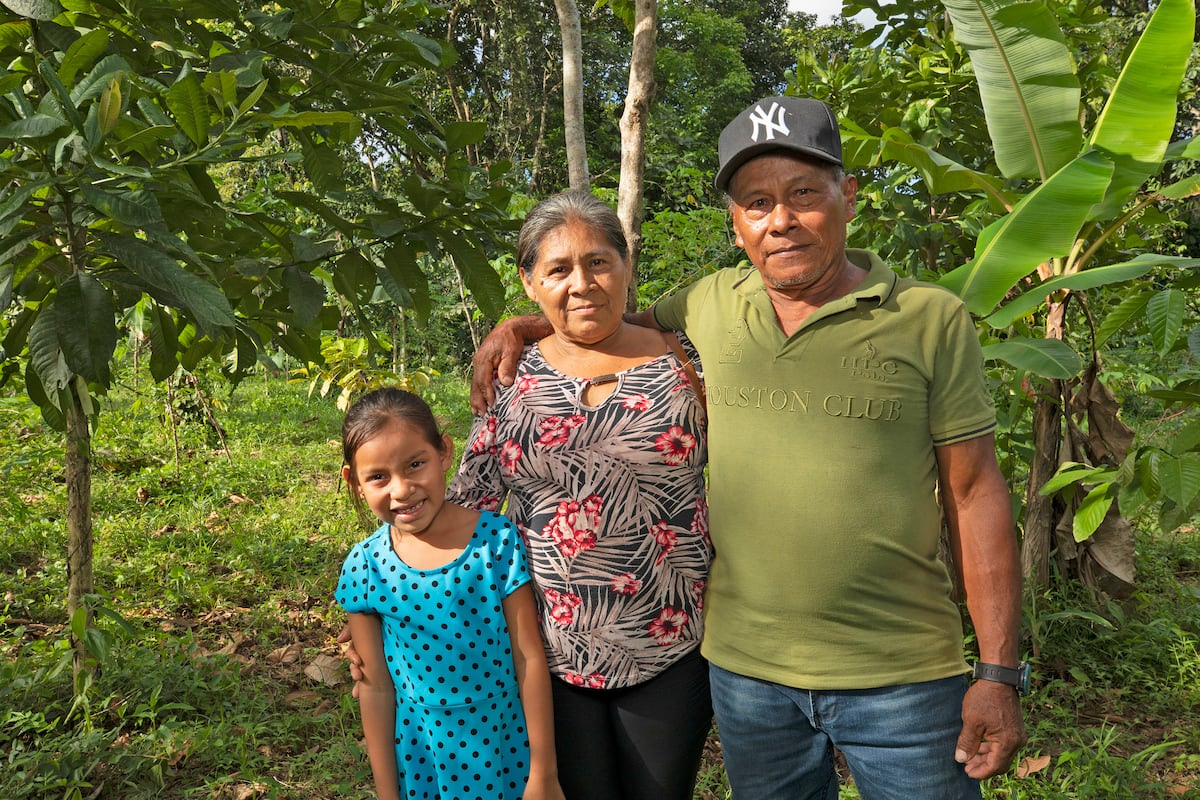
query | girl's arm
[377, 701]
[533, 678]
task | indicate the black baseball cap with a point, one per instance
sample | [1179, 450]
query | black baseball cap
[799, 124]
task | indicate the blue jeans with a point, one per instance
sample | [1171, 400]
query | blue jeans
[898, 740]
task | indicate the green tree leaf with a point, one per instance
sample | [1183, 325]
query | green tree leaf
[164, 342]
[1179, 477]
[87, 331]
[1091, 511]
[41, 10]
[189, 106]
[45, 356]
[1164, 317]
[203, 301]
[1050, 358]
[306, 295]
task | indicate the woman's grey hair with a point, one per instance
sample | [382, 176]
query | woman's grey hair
[560, 209]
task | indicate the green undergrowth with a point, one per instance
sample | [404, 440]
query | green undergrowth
[214, 571]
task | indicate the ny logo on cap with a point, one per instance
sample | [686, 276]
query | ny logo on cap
[766, 121]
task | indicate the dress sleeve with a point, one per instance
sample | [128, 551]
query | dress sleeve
[512, 570]
[352, 592]
[478, 484]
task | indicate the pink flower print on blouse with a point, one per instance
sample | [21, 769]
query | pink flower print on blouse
[510, 453]
[556, 430]
[666, 539]
[562, 606]
[526, 383]
[682, 377]
[637, 402]
[675, 445]
[669, 624]
[573, 526]
[698, 594]
[485, 442]
[593, 681]
[626, 583]
[489, 503]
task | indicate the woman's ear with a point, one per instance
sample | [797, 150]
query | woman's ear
[528, 284]
[348, 477]
[447, 452]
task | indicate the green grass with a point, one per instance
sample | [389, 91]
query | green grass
[214, 574]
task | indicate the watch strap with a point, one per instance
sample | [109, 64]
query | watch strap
[1017, 677]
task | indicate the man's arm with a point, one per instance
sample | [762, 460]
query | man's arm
[982, 537]
[500, 351]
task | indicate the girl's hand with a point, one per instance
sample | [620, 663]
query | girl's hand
[542, 789]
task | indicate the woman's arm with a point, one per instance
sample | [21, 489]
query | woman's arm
[533, 678]
[377, 702]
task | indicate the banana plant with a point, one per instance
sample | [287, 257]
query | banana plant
[1075, 174]
[1055, 245]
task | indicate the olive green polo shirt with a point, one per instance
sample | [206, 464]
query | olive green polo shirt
[822, 476]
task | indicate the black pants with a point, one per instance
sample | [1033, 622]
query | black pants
[638, 743]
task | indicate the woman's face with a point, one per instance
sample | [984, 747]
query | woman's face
[579, 281]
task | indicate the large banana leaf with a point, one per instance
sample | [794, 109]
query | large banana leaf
[1136, 124]
[1088, 279]
[1044, 225]
[1026, 80]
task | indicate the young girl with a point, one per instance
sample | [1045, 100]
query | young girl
[455, 696]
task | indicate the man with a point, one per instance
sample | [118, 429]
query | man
[843, 401]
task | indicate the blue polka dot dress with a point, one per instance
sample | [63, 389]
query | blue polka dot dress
[460, 727]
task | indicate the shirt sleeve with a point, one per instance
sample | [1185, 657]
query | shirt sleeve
[960, 402]
[353, 586]
[512, 569]
[479, 484]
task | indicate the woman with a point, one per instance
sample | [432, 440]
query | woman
[599, 449]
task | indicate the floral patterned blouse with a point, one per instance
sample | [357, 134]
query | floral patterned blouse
[610, 500]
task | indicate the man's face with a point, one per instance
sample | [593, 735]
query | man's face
[790, 215]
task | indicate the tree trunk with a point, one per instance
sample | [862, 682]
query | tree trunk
[630, 205]
[572, 44]
[79, 518]
[1040, 518]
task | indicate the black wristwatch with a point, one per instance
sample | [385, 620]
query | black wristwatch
[1017, 678]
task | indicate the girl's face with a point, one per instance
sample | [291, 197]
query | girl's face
[401, 476]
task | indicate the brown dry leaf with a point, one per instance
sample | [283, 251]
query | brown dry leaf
[327, 670]
[181, 753]
[1032, 766]
[230, 648]
[143, 494]
[301, 697]
[288, 654]
[238, 499]
[248, 791]
[324, 707]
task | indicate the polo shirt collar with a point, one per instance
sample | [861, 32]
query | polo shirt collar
[877, 287]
